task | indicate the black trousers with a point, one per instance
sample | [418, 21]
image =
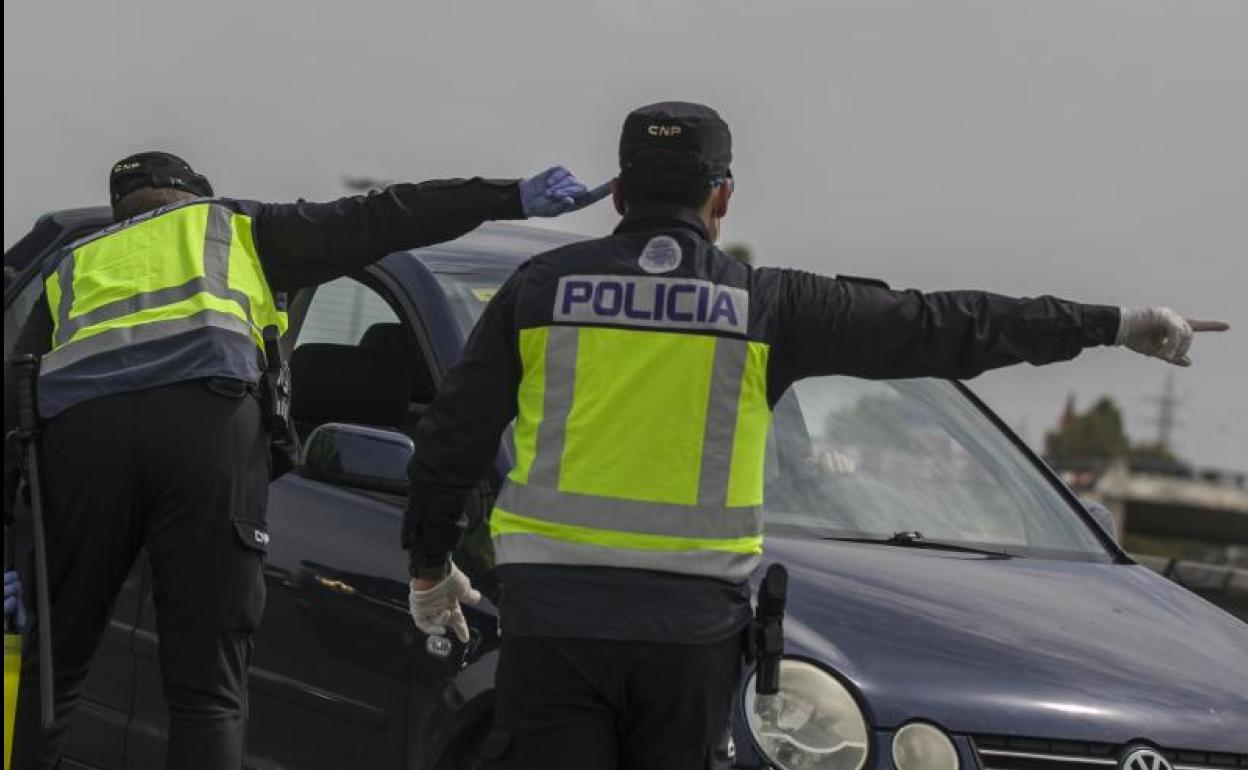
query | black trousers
[601, 705]
[182, 470]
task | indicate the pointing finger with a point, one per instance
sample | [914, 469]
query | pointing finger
[1208, 326]
[590, 197]
[596, 194]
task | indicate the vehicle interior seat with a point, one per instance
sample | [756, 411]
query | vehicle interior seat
[346, 383]
[397, 342]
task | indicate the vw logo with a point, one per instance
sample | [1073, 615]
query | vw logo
[1144, 758]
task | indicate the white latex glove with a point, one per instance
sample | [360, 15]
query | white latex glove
[1162, 333]
[438, 607]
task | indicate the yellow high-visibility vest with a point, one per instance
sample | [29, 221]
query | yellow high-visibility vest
[178, 294]
[636, 448]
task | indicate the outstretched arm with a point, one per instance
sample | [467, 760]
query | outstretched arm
[861, 328]
[305, 244]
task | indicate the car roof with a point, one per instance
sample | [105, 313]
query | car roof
[73, 218]
[493, 247]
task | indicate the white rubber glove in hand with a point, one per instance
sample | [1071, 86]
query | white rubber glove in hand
[1162, 333]
[438, 607]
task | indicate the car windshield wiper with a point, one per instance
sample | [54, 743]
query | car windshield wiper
[914, 539]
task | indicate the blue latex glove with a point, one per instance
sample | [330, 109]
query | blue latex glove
[557, 191]
[13, 599]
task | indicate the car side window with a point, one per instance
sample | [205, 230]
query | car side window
[341, 311]
[388, 387]
[342, 321]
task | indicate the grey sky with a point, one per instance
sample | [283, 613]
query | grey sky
[1090, 149]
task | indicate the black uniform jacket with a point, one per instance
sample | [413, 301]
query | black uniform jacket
[305, 244]
[815, 325]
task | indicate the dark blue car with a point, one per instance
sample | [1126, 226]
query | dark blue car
[951, 604]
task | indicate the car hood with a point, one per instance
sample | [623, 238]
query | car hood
[1025, 647]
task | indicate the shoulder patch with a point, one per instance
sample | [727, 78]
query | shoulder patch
[660, 255]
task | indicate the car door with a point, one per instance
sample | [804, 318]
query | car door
[330, 672]
[97, 737]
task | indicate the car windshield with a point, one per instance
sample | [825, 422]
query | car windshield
[871, 459]
[861, 459]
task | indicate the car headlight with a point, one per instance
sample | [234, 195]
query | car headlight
[920, 746]
[813, 723]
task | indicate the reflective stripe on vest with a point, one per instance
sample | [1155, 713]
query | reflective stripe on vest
[190, 267]
[636, 448]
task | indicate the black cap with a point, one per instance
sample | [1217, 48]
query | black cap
[154, 169]
[675, 136]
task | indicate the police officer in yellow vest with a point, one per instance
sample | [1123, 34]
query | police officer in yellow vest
[152, 334]
[640, 370]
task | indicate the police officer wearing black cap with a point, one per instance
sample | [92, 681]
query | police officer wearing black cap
[640, 370]
[153, 336]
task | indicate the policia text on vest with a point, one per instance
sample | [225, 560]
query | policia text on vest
[154, 335]
[652, 301]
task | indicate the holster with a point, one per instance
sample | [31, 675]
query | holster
[765, 646]
[275, 391]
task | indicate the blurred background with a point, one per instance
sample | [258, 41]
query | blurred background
[1092, 149]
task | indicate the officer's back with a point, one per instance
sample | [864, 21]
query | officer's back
[629, 523]
[157, 423]
[640, 371]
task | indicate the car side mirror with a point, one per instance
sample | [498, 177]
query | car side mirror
[1104, 517]
[358, 456]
